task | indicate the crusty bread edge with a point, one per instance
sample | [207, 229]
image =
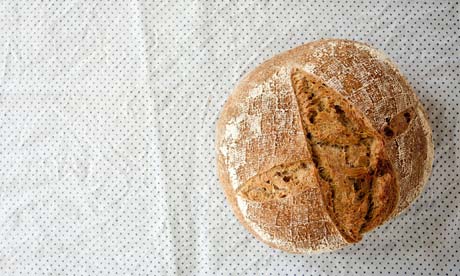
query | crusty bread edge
[261, 73]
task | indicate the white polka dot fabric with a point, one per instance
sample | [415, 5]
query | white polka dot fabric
[107, 117]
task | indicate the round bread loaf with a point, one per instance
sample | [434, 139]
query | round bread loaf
[321, 144]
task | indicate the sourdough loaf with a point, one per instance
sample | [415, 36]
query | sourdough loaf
[321, 144]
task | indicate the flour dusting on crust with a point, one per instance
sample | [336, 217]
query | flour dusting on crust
[266, 116]
[377, 54]
[260, 127]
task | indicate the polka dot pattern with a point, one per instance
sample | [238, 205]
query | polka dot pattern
[107, 117]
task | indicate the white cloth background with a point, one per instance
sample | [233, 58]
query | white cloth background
[107, 117]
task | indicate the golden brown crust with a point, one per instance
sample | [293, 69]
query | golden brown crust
[260, 128]
[257, 131]
[357, 179]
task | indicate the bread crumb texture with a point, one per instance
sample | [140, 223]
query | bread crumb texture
[357, 180]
